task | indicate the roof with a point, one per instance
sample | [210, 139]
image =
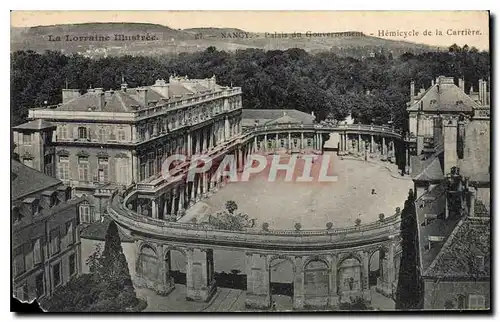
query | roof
[444, 96]
[26, 180]
[249, 116]
[285, 119]
[469, 239]
[427, 168]
[432, 172]
[35, 125]
[120, 102]
[97, 231]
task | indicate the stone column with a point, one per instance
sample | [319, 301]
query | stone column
[265, 142]
[204, 148]
[366, 275]
[168, 284]
[166, 209]
[289, 141]
[334, 297]
[360, 143]
[189, 144]
[193, 191]
[240, 160]
[372, 144]
[384, 148]
[407, 161]
[302, 146]
[181, 204]
[154, 208]
[276, 146]
[139, 206]
[258, 294]
[298, 284]
[198, 187]
[200, 281]
[255, 146]
[173, 211]
[226, 129]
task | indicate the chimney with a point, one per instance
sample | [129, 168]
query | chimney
[412, 90]
[30, 207]
[161, 87]
[481, 91]
[438, 130]
[460, 138]
[69, 95]
[142, 96]
[46, 201]
[461, 84]
[108, 95]
[101, 101]
[63, 193]
[124, 87]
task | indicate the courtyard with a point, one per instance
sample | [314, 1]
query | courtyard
[362, 191]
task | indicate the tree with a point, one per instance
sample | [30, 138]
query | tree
[231, 206]
[357, 222]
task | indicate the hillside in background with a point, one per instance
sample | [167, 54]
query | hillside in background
[174, 41]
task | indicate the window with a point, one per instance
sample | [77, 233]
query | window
[85, 212]
[151, 164]
[56, 274]
[70, 233]
[19, 263]
[82, 132]
[476, 302]
[37, 252]
[64, 167]
[55, 243]
[40, 285]
[26, 138]
[62, 132]
[103, 171]
[101, 134]
[47, 161]
[122, 170]
[72, 264]
[121, 135]
[83, 168]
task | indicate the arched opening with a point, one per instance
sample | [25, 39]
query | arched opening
[316, 282]
[175, 266]
[349, 277]
[281, 283]
[376, 267]
[148, 264]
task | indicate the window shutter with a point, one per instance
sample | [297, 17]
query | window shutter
[75, 132]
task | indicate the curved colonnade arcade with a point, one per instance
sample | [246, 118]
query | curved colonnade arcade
[329, 265]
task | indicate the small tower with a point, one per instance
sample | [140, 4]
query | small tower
[33, 145]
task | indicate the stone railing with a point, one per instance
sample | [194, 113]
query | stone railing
[361, 234]
[325, 127]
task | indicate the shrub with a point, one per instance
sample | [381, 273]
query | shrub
[357, 222]
[329, 225]
[298, 226]
[265, 226]
[381, 216]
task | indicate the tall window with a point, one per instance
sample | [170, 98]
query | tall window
[82, 132]
[72, 264]
[55, 242]
[56, 274]
[122, 170]
[103, 174]
[151, 164]
[62, 132]
[83, 168]
[85, 212]
[121, 135]
[40, 285]
[70, 233]
[26, 138]
[37, 252]
[142, 167]
[47, 160]
[159, 160]
[64, 167]
[101, 134]
[19, 262]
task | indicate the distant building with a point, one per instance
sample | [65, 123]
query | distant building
[451, 174]
[260, 117]
[100, 140]
[45, 238]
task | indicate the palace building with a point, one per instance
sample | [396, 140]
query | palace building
[100, 140]
[451, 175]
[45, 239]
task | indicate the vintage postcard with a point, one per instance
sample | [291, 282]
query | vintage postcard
[236, 161]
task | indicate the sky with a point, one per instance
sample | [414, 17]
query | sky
[368, 22]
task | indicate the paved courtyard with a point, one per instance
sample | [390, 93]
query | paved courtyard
[313, 204]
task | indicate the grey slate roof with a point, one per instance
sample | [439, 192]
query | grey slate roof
[38, 124]
[271, 116]
[26, 180]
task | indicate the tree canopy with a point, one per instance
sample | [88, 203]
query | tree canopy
[373, 89]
